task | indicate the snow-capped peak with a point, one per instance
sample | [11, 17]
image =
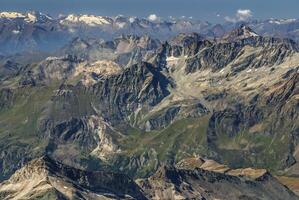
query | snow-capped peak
[37, 16]
[90, 20]
[30, 17]
[11, 15]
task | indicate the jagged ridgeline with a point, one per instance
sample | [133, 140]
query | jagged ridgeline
[135, 103]
[193, 178]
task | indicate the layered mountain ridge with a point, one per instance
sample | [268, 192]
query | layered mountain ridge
[36, 31]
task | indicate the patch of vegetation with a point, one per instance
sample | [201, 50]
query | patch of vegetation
[254, 150]
[22, 118]
[181, 139]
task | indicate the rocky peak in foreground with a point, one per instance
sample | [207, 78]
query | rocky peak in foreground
[192, 178]
[45, 178]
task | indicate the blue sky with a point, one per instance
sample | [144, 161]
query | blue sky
[209, 10]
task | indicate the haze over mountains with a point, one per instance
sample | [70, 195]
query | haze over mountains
[96, 107]
[37, 31]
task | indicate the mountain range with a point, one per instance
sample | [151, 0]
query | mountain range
[36, 31]
[150, 114]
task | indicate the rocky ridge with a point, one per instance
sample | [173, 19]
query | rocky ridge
[45, 178]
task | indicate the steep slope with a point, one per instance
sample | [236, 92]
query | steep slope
[45, 178]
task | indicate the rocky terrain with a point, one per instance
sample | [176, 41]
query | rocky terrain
[197, 178]
[193, 178]
[45, 178]
[134, 103]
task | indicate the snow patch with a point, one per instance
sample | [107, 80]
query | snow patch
[50, 58]
[153, 17]
[15, 32]
[71, 30]
[31, 18]
[171, 58]
[132, 19]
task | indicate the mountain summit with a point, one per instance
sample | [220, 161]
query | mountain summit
[240, 33]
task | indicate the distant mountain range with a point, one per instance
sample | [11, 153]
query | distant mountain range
[35, 31]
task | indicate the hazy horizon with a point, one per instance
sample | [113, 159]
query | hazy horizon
[213, 10]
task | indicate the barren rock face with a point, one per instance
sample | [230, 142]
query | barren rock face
[199, 183]
[47, 178]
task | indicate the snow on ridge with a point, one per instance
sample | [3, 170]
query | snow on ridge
[91, 20]
[132, 19]
[51, 58]
[11, 15]
[29, 17]
[281, 21]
